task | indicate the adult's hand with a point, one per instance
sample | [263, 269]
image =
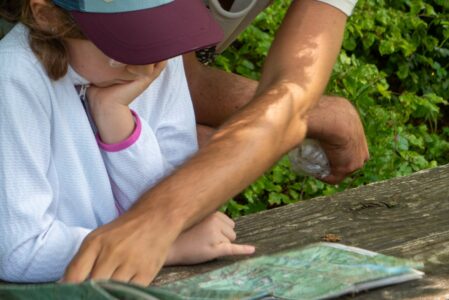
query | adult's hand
[115, 251]
[335, 123]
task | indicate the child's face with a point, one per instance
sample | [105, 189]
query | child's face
[91, 63]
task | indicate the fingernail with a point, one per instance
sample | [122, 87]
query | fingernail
[251, 249]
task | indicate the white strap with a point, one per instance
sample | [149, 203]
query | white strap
[234, 20]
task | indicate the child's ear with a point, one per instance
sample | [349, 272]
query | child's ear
[43, 14]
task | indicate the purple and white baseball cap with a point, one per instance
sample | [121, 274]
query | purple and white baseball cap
[142, 32]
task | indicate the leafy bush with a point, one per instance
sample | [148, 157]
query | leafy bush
[393, 67]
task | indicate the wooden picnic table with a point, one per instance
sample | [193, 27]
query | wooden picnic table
[405, 217]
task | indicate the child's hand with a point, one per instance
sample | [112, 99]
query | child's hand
[207, 240]
[109, 104]
[125, 90]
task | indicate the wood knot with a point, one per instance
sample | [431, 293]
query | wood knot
[373, 204]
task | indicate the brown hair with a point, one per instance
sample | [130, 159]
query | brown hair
[47, 45]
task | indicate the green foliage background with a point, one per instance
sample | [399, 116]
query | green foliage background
[393, 67]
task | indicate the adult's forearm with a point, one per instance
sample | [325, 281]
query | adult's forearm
[305, 49]
[294, 77]
[235, 156]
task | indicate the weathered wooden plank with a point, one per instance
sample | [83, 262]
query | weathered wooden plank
[405, 217]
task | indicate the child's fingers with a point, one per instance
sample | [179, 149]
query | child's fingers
[229, 233]
[125, 93]
[225, 219]
[226, 249]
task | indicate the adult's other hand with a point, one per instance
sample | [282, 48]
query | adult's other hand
[335, 123]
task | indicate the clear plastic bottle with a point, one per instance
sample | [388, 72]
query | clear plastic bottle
[309, 159]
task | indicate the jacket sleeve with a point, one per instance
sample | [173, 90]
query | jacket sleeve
[34, 245]
[161, 146]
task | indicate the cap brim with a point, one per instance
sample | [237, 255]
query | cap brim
[151, 35]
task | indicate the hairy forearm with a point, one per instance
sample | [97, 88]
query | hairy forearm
[330, 119]
[216, 94]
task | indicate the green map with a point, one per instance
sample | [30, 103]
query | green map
[314, 272]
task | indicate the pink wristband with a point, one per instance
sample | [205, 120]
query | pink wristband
[127, 142]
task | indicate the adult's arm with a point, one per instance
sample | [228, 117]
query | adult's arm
[217, 95]
[135, 246]
[334, 122]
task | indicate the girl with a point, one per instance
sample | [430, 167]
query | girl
[83, 133]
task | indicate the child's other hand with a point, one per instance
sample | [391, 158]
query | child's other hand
[210, 239]
[109, 103]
